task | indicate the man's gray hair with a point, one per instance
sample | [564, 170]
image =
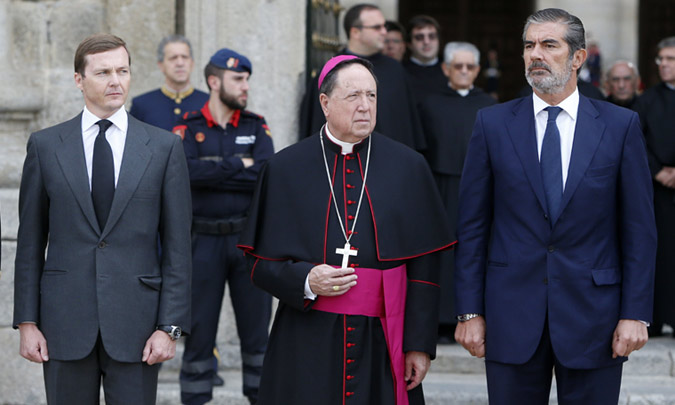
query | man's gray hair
[628, 63]
[666, 43]
[452, 47]
[575, 35]
[170, 39]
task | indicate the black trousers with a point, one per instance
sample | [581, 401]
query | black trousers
[216, 260]
[79, 381]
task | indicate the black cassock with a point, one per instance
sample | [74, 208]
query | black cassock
[397, 115]
[447, 119]
[425, 80]
[316, 357]
[656, 108]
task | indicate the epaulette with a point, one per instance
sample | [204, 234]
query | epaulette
[192, 115]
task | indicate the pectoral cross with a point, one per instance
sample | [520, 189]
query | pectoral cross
[346, 252]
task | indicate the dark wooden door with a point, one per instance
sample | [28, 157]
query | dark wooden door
[488, 24]
[657, 21]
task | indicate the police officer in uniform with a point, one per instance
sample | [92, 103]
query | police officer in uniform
[165, 106]
[225, 146]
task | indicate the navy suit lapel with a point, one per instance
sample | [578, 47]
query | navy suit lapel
[521, 129]
[70, 156]
[135, 160]
[587, 134]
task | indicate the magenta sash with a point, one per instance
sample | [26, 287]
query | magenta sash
[378, 293]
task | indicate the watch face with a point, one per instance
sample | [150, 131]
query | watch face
[175, 332]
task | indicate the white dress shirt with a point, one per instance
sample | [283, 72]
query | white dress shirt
[116, 136]
[566, 122]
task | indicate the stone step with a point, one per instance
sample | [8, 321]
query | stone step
[440, 389]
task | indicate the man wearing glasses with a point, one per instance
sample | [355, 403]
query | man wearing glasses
[656, 108]
[447, 118]
[424, 67]
[364, 25]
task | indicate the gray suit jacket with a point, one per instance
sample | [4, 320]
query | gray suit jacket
[110, 279]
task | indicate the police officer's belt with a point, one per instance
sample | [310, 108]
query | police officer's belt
[212, 226]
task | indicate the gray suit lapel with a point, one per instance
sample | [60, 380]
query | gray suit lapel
[135, 160]
[70, 155]
[523, 135]
[587, 134]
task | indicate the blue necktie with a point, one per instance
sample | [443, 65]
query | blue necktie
[102, 175]
[551, 164]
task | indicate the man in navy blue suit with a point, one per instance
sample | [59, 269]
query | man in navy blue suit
[556, 234]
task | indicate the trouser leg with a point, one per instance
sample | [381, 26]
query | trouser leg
[599, 386]
[523, 384]
[128, 383]
[73, 382]
[253, 310]
[208, 285]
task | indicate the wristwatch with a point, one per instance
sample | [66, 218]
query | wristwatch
[173, 331]
[466, 317]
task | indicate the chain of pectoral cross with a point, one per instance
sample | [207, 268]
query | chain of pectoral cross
[346, 251]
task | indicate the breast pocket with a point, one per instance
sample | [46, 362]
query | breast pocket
[600, 171]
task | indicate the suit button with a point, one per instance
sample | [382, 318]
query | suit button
[551, 249]
[546, 217]
[102, 245]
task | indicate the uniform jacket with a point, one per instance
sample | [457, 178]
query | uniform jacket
[584, 272]
[107, 279]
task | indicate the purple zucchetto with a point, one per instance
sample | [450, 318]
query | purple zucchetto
[330, 65]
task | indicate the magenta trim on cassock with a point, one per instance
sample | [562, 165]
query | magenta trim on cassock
[332, 62]
[378, 293]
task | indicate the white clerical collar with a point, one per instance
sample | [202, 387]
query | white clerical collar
[462, 92]
[419, 62]
[347, 147]
[570, 105]
[119, 119]
[670, 86]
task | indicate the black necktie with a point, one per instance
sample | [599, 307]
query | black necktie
[102, 175]
[551, 164]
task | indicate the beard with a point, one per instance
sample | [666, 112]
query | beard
[552, 83]
[230, 100]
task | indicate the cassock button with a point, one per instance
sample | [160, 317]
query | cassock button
[354, 265]
[350, 202]
[176, 111]
[350, 329]
[350, 186]
[102, 245]
[349, 394]
[551, 249]
[350, 377]
[350, 217]
[350, 171]
[350, 361]
[351, 345]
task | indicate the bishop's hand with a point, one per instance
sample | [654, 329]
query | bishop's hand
[328, 281]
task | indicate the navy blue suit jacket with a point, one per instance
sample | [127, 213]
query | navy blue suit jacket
[592, 267]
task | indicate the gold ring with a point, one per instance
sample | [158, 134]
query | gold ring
[336, 288]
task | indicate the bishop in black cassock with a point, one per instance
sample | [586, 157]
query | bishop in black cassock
[325, 356]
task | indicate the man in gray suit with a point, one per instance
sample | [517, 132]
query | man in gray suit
[98, 190]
